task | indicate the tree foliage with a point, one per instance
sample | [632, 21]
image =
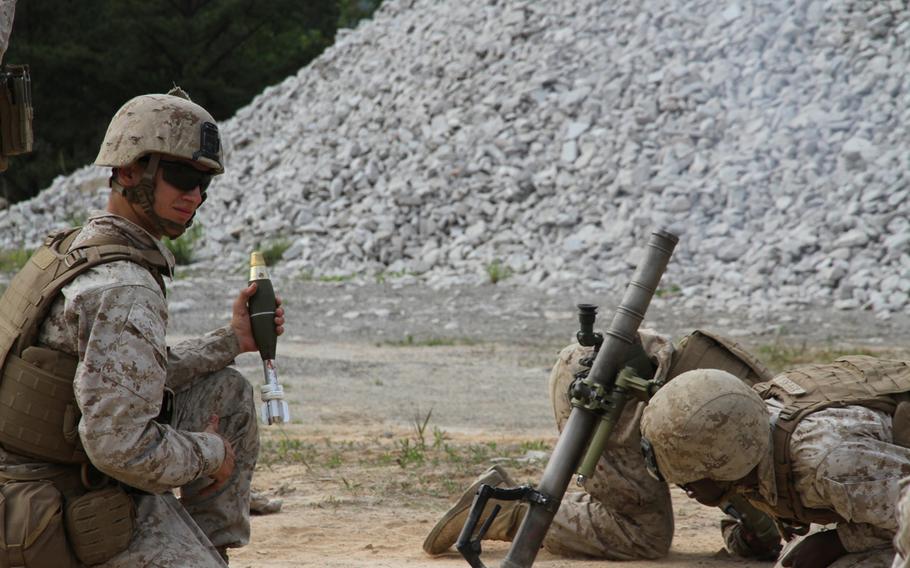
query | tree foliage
[88, 57]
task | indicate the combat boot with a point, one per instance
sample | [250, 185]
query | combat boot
[444, 534]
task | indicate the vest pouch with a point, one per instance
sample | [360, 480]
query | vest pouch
[706, 350]
[100, 524]
[16, 113]
[37, 406]
[31, 513]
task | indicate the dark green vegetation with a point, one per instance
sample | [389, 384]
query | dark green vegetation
[14, 259]
[183, 247]
[89, 57]
[273, 251]
[396, 465]
[497, 271]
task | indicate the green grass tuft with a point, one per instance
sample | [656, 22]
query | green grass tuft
[14, 259]
[497, 271]
[273, 251]
[335, 277]
[535, 445]
[669, 292]
[383, 277]
[287, 450]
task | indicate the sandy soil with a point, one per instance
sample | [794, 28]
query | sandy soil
[363, 515]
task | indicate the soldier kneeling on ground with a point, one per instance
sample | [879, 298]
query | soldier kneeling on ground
[623, 513]
[100, 420]
[822, 444]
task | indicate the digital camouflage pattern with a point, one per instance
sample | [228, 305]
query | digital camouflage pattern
[113, 319]
[163, 124]
[7, 11]
[902, 538]
[188, 532]
[844, 459]
[623, 513]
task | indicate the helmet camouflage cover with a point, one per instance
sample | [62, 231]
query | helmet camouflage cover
[706, 424]
[168, 124]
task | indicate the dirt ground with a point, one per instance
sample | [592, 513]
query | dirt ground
[377, 516]
[369, 513]
[402, 394]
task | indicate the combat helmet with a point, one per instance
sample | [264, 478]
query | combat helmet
[169, 125]
[706, 424]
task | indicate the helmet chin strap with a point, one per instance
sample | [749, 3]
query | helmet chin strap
[143, 195]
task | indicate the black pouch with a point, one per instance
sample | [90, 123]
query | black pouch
[16, 112]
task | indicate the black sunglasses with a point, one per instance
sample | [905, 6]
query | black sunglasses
[184, 176]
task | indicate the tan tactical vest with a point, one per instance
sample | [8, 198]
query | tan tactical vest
[38, 412]
[703, 349]
[856, 380]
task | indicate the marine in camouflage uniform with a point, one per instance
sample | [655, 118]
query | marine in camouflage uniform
[623, 512]
[113, 319]
[840, 464]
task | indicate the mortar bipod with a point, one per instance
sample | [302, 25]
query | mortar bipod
[468, 544]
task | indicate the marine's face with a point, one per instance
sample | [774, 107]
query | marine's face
[179, 188]
[707, 491]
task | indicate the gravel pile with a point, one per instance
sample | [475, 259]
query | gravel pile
[773, 136]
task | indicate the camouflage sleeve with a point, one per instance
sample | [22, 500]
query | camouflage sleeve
[857, 473]
[7, 10]
[119, 386]
[197, 357]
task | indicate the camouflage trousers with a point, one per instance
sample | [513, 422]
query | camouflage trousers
[624, 513]
[188, 531]
[881, 557]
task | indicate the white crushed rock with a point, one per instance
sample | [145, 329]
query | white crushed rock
[773, 136]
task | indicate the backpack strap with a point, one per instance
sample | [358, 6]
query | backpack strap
[71, 262]
[789, 506]
[101, 248]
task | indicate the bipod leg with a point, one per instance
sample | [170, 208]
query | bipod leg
[468, 543]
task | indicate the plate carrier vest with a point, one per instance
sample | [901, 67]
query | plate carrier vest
[703, 349]
[879, 384]
[39, 416]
